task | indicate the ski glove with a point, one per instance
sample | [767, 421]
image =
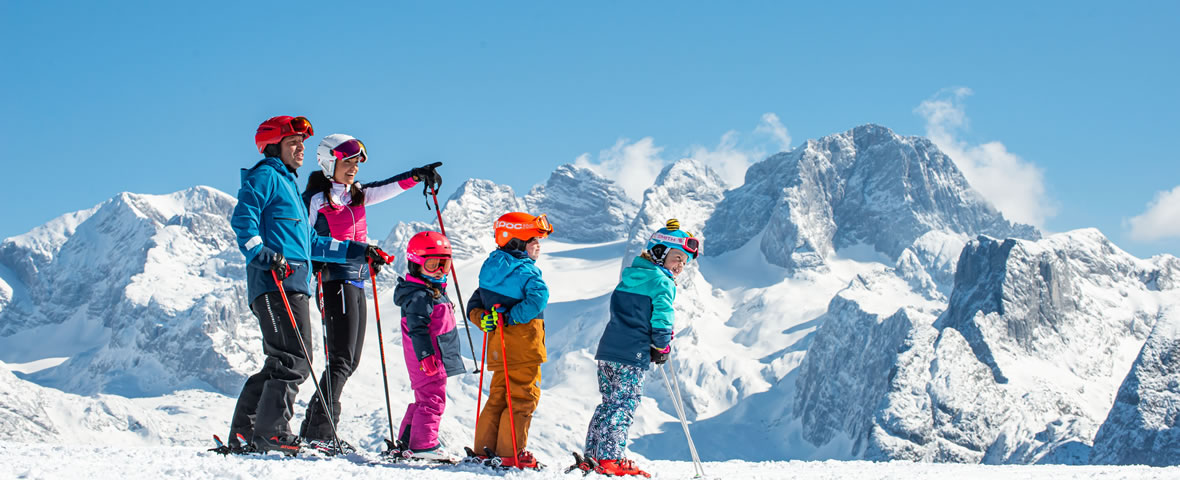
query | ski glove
[429, 366]
[488, 321]
[376, 258]
[275, 262]
[429, 175]
[660, 356]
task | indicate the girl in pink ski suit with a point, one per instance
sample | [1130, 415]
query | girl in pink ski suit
[429, 341]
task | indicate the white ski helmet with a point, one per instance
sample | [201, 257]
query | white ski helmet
[338, 146]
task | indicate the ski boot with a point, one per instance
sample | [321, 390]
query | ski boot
[619, 468]
[287, 444]
[437, 454]
[524, 459]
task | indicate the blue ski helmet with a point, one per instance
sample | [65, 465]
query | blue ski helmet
[671, 236]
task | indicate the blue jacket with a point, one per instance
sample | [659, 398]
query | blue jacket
[512, 280]
[640, 315]
[271, 217]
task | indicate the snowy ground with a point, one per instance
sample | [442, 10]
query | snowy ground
[39, 461]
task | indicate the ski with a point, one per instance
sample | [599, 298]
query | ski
[399, 452]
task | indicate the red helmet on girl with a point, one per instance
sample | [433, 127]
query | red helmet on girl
[427, 244]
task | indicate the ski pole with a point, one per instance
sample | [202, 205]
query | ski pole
[299, 335]
[319, 293]
[507, 383]
[381, 346]
[677, 403]
[433, 189]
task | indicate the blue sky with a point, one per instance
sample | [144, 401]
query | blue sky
[1078, 98]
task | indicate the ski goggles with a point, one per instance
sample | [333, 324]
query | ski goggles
[436, 264]
[350, 149]
[692, 245]
[542, 223]
[431, 264]
[297, 126]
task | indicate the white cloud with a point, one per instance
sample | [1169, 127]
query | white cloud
[1161, 220]
[634, 166]
[1016, 187]
[772, 126]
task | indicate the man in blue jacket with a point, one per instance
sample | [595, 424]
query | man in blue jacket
[270, 221]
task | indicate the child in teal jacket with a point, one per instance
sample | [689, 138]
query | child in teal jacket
[639, 333]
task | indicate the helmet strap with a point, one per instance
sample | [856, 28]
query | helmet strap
[515, 244]
[658, 254]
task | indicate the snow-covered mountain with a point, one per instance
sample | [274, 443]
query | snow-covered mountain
[857, 300]
[1144, 426]
[685, 190]
[1024, 364]
[589, 208]
[867, 186]
[143, 293]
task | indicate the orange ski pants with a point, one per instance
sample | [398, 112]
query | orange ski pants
[494, 428]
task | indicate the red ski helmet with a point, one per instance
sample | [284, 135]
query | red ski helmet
[425, 245]
[274, 129]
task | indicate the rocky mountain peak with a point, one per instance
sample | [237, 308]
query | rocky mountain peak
[866, 186]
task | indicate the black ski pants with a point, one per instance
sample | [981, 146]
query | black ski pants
[345, 314]
[267, 401]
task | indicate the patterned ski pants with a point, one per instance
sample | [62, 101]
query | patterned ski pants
[622, 388]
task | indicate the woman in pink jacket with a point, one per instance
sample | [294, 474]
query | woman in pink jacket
[336, 205]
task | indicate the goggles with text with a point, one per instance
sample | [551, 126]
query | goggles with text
[692, 245]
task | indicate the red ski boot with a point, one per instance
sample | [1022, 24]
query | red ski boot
[620, 468]
[523, 460]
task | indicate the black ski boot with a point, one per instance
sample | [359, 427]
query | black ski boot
[287, 444]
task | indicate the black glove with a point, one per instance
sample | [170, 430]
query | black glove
[375, 257]
[278, 264]
[658, 357]
[428, 175]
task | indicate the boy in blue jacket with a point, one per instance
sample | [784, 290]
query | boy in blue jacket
[270, 221]
[639, 332]
[512, 293]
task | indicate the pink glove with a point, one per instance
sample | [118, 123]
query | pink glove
[429, 365]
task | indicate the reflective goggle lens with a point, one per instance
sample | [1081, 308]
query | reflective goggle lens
[542, 223]
[432, 265]
[300, 125]
[693, 246]
[350, 149]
